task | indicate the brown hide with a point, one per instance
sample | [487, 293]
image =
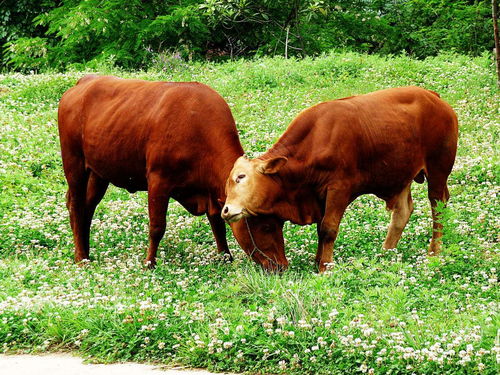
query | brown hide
[333, 152]
[174, 140]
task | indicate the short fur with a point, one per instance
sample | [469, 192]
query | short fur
[174, 140]
[376, 143]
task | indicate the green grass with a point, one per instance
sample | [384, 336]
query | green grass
[375, 312]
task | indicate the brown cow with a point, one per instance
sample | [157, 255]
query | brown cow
[174, 140]
[334, 152]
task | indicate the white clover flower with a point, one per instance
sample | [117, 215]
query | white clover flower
[368, 331]
[321, 341]
[282, 365]
[333, 314]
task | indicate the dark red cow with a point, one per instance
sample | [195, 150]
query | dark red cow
[172, 139]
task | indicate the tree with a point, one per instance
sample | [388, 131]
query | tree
[494, 11]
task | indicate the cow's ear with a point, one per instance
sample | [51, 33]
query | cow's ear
[273, 165]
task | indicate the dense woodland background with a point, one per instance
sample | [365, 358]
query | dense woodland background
[51, 34]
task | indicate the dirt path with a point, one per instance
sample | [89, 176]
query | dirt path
[66, 364]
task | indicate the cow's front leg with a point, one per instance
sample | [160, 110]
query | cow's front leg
[158, 196]
[335, 206]
[219, 230]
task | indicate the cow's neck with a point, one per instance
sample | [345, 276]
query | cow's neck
[299, 201]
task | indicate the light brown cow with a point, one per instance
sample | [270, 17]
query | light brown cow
[334, 152]
[174, 140]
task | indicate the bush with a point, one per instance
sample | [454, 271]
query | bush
[130, 34]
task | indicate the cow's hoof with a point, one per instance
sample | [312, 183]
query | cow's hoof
[82, 262]
[434, 249]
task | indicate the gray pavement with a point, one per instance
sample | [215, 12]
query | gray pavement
[66, 364]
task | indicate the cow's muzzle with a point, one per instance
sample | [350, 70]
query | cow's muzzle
[231, 213]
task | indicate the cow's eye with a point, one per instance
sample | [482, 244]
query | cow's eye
[240, 177]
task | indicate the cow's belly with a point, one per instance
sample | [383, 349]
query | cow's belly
[125, 168]
[389, 174]
[192, 200]
[115, 151]
[388, 182]
[124, 175]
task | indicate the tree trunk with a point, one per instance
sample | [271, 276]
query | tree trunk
[494, 13]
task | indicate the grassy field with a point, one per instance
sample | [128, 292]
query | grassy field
[375, 312]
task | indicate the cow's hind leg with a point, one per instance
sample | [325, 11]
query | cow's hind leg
[401, 206]
[336, 204]
[438, 191]
[219, 231]
[96, 188]
[158, 195]
[77, 178]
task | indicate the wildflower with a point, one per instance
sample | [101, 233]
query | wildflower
[321, 341]
[333, 314]
[282, 365]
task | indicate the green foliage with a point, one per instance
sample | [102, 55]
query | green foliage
[16, 22]
[428, 27]
[392, 311]
[27, 53]
[125, 34]
[130, 34]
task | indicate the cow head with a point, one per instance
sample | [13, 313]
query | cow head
[261, 238]
[251, 188]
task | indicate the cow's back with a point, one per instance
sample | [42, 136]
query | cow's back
[127, 128]
[376, 142]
